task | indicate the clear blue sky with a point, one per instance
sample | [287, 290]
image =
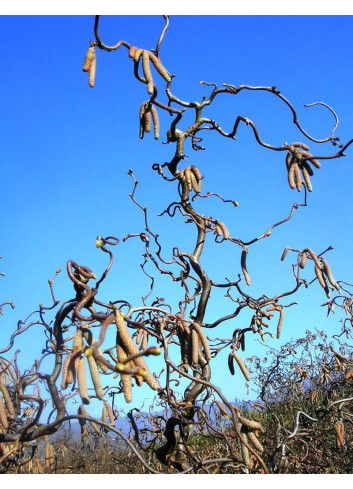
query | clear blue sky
[66, 150]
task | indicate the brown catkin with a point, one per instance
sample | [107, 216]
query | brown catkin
[251, 424]
[132, 51]
[291, 179]
[243, 266]
[231, 363]
[159, 67]
[300, 145]
[244, 449]
[204, 342]
[7, 399]
[139, 336]
[222, 408]
[297, 177]
[147, 120]
[255, 442]
[110, 414]
[328, 273]
[307, 178]
[280, 322]
[92, 72]
[137, 54]
[242, 366]
[155, 120]
[218, 229]
[49, 455]
[303, 258]
[284, 254]
[147, 71]
[187, 174]
[104, 414]
[195, 344]
[3, 418]
[224, 229]
[81, 377]
[312, 160]
[95, 376]
[90, 55]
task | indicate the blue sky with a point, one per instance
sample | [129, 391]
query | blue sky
[66, 150]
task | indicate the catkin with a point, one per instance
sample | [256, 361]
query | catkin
[306, 176]
[328, 273]
[222, 408]
[244, 449]
[110, 414]
[231, 363]
[194, 346]
[7, 399]
[224, 229]
[297, 177]
[159, 67]
[284, 254]
[65, 380]
[255, 442]
[243, 266]
[303, 258]
[155, 120]
[90, 55]
[147, 71]
[291, 179]
[125, 378]
[49, 455]
[93, 368]
[251, 424]
[242, 366]
[204, 342]
[132, 349]
[92, 72]
[144, 343]
[3, 418]
[280, 322]
[81, 377]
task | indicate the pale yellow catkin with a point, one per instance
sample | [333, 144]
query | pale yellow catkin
[81, 378]
[95, 376]
[65, 371]
[110, 414]
[224, 229]
[132, 349]
[125, 378]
